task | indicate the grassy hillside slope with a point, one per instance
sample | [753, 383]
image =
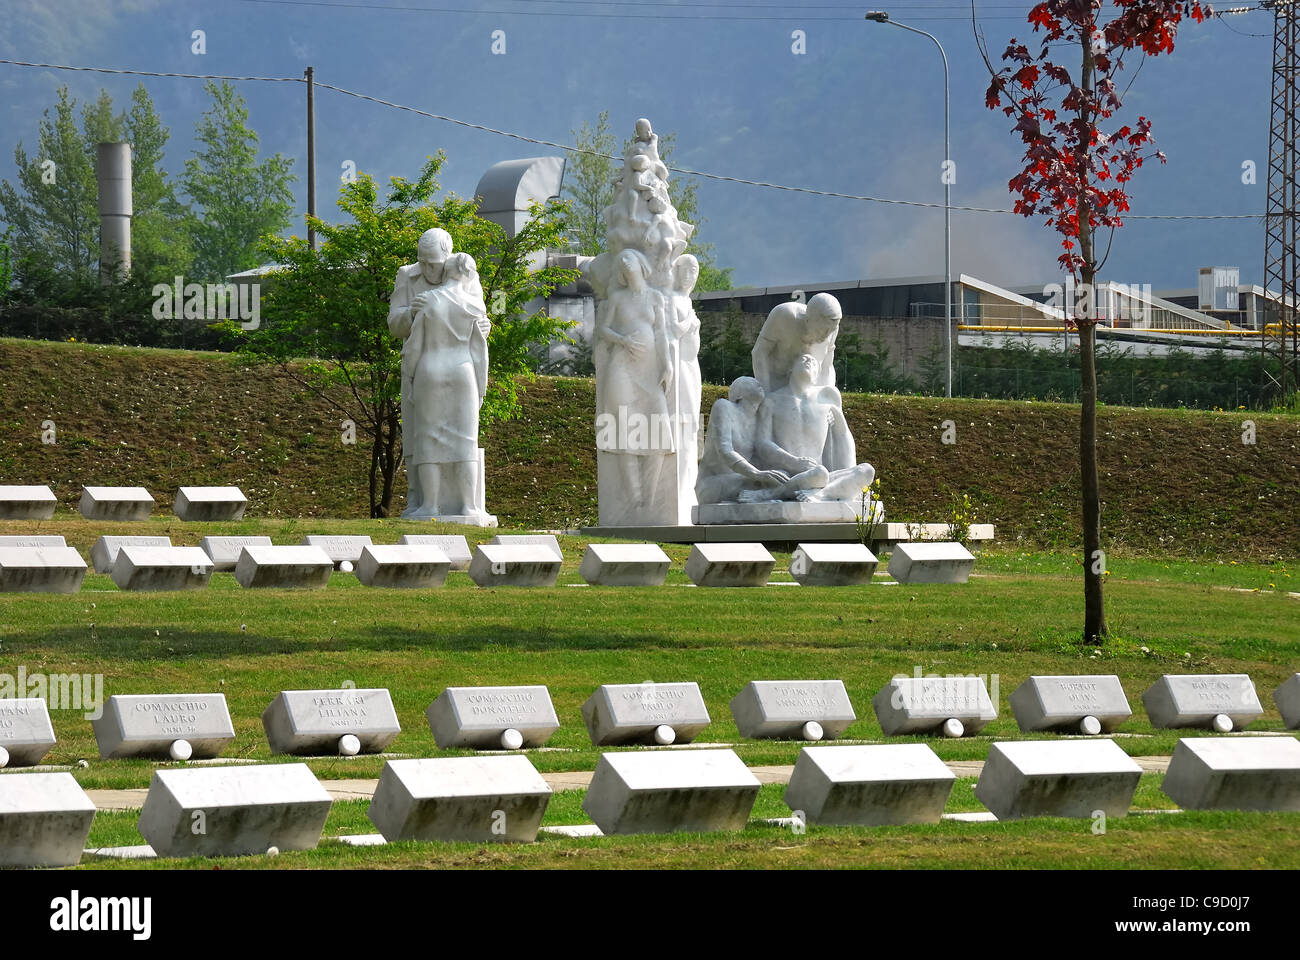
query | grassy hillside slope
[1175, 481]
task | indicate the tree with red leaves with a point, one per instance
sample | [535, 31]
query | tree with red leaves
[1076, 175]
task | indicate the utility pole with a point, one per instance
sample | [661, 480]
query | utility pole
[1280, 219]
[311, 156]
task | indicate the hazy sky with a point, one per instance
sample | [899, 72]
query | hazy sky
[860, 112]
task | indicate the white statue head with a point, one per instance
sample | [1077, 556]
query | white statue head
[746, 392]
[686, 270]
[633, 268]
[459, 265]
[643, 130]
[804, 370]
[432, 252]
[822, 318]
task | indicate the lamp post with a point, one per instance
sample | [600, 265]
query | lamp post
[880, 16]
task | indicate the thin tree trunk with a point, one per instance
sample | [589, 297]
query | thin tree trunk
[376, 451]
[1094, 560]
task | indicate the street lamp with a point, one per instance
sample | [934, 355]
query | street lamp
[880, 16]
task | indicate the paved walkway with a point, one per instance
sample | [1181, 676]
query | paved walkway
[363, 789]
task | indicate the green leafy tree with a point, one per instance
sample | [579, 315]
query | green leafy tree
[238, 199]
[325, 314]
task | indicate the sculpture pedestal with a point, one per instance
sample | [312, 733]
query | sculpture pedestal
[783, 511]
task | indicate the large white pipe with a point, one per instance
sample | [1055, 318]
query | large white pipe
[114, 171]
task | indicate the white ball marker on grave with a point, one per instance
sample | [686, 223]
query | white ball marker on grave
[1235, 773]
[44, 820]
[813, 731]
[234, 811]
[180, 750]
[1064, 702]
[478, 717]
[953, 728]
[116, 503]
[162, 568]
[455, 547]
[338, 547]
[664, 735]
[514, 565]
[4, 758]
[1090, 726]
[729, 565]
[833, 564]
[210, 503]
[624, 713]
[908, 705]
[1287, 698]
[547, 540]
[870, 786]
[1194, 700]
[1057, 778]
[471, 799]
[134, 725]
[105, 550]
[25, 731]
[512, 739]
[695, 791]
[41, 570]
[1222, 723]
[349, 745]
[781, 709]
[624, 565]
[26, 502]
[931, 563]
[402, 567]
[284, 567]
[312, 722]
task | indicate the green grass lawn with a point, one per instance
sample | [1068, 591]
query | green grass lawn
[1019, 616]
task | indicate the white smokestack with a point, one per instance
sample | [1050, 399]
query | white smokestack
[114, 168]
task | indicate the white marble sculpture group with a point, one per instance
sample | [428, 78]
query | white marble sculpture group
[778, 450]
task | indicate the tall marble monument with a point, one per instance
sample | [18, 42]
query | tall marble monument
[437, 311]
[645, 347]
[778, 449]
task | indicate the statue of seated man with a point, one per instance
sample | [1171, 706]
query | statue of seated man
[803, 434]
[727, 465]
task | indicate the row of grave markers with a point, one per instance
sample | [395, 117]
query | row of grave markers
[123, 503]
[46, 564]
[45, 818]
[350, 721]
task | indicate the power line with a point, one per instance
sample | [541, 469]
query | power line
[786, 18]
[148, 73]
[572, 149]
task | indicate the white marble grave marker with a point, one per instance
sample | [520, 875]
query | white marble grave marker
[471, 799]
[105, 550]
[455, 547]
[286, 567]
[26, 502]
[693, 791]
[1194, 700]
[116, 503]
[781, 708]
[930, 563]
[870, 786]
[514, 565]
[1057, 778]
[312, 722]
[210, 503]
[729, 565]
[224, 551]
[924, 704]
[402, 566]
[624, 565]
[1062, 703]
[1235, 773]
[162, 568]
[44, 820]
[134, 725]
[833, 564]
[477, 717]
[25, 730]
[41, 570]
[234, 811]
[618, 713]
